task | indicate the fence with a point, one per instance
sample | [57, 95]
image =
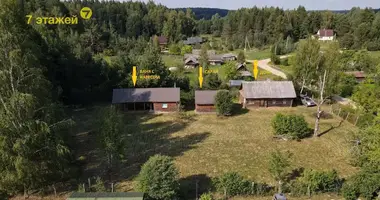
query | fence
[347, 113]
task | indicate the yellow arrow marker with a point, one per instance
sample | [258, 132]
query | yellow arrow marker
[200, 76]
[134, 76]
[255, 69]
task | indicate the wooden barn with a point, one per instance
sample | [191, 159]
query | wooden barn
[267, 94]
[158, 100]
[205, 101]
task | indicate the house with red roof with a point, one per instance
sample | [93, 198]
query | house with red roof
[326, 35]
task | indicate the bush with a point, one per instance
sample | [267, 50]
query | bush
[99, 185]
[292, 126]
[232, 184]
[275, 59]
[349, 191]
[158, 178]
[284, 61]
[312, 182]
[206, 196]
[174, 49]
[223, 102]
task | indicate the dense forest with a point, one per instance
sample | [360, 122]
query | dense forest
[46, 66]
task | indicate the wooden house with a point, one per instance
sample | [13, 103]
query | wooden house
[205, 101]
[157, 100]
[267, 94]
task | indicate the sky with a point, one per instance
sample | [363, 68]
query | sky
[286, 4]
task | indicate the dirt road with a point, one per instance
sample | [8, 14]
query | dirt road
[264, 64]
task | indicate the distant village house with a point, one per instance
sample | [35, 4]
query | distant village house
[359, 75]
[162, 42]
[205, 101]
[242, 69]
[157, 100]
[267, 94]
[326, 35]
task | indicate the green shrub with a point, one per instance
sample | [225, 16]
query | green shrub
[99, 185]
[275, 59]
[158, 178]
[292, 126]
[232, 184]
[349, 191]
[313, 181]
[206, 196]
[174, 49]
[284, 61]
[223, 102]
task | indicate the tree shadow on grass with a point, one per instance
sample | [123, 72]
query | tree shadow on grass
[193, 186]
[239, 110]
[330, 129]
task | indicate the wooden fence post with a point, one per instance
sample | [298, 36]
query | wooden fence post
[111, 187]
[347, 116]
[357, 119]
[89, 183]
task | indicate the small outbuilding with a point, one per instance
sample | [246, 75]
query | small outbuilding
[205, 101]
[242, 69]
[158, 100]
[359, 75]
[235, 83]
[191, 63]
[106, 196]
[267, 94]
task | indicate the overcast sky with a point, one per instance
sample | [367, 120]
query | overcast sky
[286, 4]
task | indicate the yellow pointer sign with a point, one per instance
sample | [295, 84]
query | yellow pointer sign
[200, 76]
[134, 76]
[255, 69]
[86, 13]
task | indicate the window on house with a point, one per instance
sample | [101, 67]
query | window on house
[274, 102]
[164, 105]
[284, 101]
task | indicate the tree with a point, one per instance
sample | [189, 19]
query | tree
[158, 178]
[186, 49]
[307, 59]
[223, 102]
[110, 134]
[279, 164]
[231, 184]
[241, 57]
[292, 126]
[203, 60]
[212, 81]
[174, 49]
[206, 196]
[99, 185]
[230, 71]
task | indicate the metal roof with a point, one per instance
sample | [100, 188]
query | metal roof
[245, 73]
[279, 197]
[191, 60]
[106, 196]
[234, 83]
[205, 97]
[130, 95]
[268, 89]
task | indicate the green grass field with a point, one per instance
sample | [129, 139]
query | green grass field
[172, 60]
[208, 146]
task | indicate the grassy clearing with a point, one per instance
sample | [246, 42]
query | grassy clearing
[255, 54]
[172, 60]
[207, 145]
[375, 54]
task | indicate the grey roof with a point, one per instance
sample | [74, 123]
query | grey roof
[107, 195]
[268, 89]
[191, 59]
[129, 95]
[245, 73]
[234, 83]
[205, 97]
[215, 58]
[229, 55]
[193, 40]
[188, 55]
[240, 65]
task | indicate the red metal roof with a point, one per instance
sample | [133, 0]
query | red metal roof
[326, 33]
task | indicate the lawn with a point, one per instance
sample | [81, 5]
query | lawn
[255, 54]
[375, 54]
[172, 60]
[207, 146]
